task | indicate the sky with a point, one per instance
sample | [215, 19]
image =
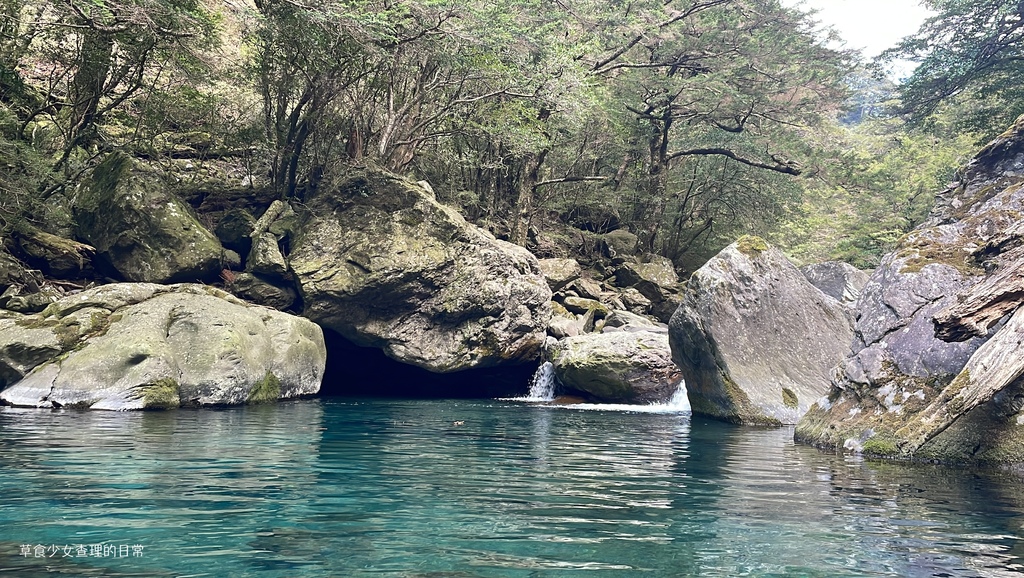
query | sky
[871, 25]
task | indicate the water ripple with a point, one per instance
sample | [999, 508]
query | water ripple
[458, 488]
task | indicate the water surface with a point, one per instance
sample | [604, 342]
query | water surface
[362, 487]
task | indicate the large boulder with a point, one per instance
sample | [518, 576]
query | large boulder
[139, 346]
[381, 262]
[935, 372]
[756, 342]
[619, 367]
[840, 281]
[140, 229]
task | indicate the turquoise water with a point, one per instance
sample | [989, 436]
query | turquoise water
[343, 487]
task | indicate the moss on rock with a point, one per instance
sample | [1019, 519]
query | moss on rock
[751, 246]
[789, 398]
[161, 394]
[266, 390]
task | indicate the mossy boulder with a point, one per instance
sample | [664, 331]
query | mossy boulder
[263, 291]
[619, 367]
[381, 262]
[141, 231]
[619, 243]
[144, 346]
[755, 340]
[922, 397]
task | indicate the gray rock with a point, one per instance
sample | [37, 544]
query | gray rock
[587, 288]
[232, 260]
[756, 342]
[139, 346]
[628, 367]
[908, 394]
[561, 327]
[838, 280]
[266, 258]
[262, 291]
[381, 262]
[626, 321]
[619, 243]
[655, 278]
[634, 301]
[24, 344]
[582, 305]
[235, 230]
[140, 228]
[560, 272]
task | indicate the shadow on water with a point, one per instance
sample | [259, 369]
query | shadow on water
[367, 372]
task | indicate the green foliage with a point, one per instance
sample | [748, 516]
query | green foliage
[878, 182]
[687, 123]
[971, 56]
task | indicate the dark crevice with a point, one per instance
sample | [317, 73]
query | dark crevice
[364, 371]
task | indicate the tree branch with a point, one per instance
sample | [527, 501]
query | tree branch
[781, 166]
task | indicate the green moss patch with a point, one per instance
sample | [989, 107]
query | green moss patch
[883, 446]
[266, 390]
[789, 398]
[161, 394]
[751, 246]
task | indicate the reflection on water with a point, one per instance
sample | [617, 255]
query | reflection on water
[463, 488]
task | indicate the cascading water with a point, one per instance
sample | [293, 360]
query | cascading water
[543, 386]
[679, 401]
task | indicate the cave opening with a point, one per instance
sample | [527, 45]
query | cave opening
[354, 371]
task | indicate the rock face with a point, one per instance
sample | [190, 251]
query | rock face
[624, 366]
[654, 277]
[756, 341]
[141, 230]
[560, 272]
[840, 281]
[381, 262]
[139, 346]
[907, 394]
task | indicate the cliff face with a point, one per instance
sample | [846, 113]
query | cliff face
[936, 370]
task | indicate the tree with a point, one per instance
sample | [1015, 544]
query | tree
[712, 84]
[971, 55]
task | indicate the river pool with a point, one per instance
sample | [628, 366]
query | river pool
[491, 488]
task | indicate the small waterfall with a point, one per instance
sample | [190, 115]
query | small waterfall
[543, 386]
[680, 401]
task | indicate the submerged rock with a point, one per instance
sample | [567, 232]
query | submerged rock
[381, 262]
[139, 346]
[905, 392]
[755, 341]
[622, 366]
[140, 229]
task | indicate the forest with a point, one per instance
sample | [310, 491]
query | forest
[687, 123]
